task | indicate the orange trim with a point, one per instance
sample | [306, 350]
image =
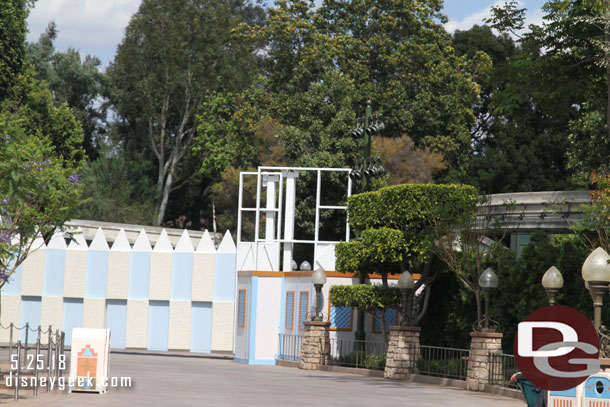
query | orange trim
[291, 326]
[416, 276]
[351, 318]
[378, 331]
[245, 304]
[300, 309]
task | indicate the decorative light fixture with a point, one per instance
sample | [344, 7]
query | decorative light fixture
[596, 273]
[552, 281]
[405, 284]
[488, 280]
[305, 266]
[318, 278]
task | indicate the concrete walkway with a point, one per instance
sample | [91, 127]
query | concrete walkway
[174, 381]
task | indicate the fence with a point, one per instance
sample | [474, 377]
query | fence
[150, 297]
[360, 354]
[290, 347]
[443, 362]
[502, 367]
[28, 360]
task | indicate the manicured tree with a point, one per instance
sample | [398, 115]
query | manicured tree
[400, 227]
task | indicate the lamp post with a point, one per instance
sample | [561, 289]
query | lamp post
[552, 281]
[305, 266]
[318, 278]
[487, 281]
[596, 273]
[406, 284]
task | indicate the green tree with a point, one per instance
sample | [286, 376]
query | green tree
[322, 66]
[173, 55]
[72, 81]
[400, 227]
[39, 191]
[13, 28]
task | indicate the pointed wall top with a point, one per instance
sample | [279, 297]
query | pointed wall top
[227, 245]
[163, 244]
[142, 244]
[78, 241]
[99, 241]
[57, 241]
[184, 244]
[206, 245]
[38, 243]
[121, 243]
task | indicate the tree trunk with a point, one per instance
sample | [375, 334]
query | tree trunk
[477, 298]
[165, 193]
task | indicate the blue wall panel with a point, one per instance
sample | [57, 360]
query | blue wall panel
[201, 327]
[116, 321]
[158, 325]
[224, 277]
[55, 263]
[139, 276]
[182, 276]
[73, 317]
[30, 313]
[97, 268]
[13, 286]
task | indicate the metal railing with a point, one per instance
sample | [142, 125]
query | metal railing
[29, 359]
[501, 368]
[290, 347]
[443, 362]
[360, 354]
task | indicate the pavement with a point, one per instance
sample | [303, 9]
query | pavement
[178, 381]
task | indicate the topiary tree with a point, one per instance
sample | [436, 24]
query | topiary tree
[400, 226]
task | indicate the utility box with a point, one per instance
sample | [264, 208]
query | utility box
[597, 390]
[89, 360]
[566, 398]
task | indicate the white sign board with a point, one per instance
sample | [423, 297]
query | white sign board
[89, 359]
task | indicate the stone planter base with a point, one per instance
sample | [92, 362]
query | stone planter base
[482, 369]
[315, 350]
[403, 351]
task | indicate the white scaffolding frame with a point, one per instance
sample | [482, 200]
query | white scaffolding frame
[277, 238]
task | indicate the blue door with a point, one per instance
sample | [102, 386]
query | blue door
[30, 313]
[201, 327]
[116, 321]
[73, 317]
[158, 325]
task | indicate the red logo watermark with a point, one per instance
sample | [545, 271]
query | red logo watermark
[556, 348]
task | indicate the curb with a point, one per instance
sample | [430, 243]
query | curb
[143, 352]
[413, 378]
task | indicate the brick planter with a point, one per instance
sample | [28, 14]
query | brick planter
[403, 351]
[315, 350]
[483, 346]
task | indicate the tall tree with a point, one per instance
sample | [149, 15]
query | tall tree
[392, 52]
[73, 81]
[13, 28]
[174, 53]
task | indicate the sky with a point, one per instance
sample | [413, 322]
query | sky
[96, 27]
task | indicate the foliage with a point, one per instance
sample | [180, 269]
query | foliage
[39, 190]
[116, 191]
[519, 136]
[73, 82]
[13, 28]
[394, 53]
[400, 227]
[173, 55]
[594, 227]
[406, 163]
[419, 208]
[365, 297]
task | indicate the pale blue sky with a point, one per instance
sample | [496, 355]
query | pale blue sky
[96, 26]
